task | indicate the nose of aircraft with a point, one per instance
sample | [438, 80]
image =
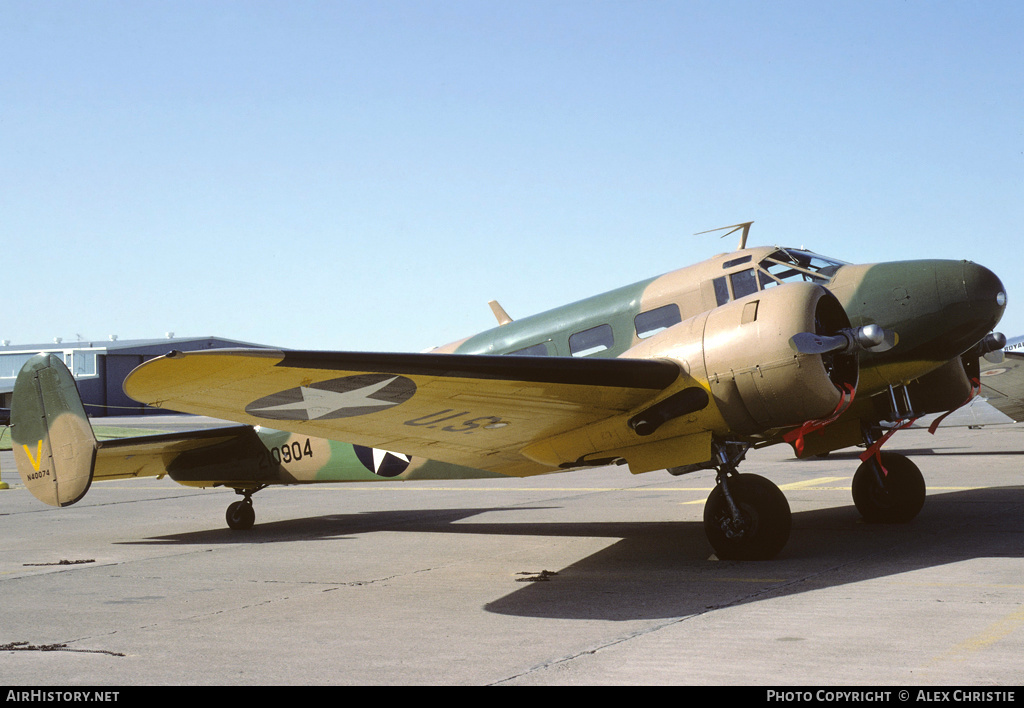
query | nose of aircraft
[984, 291]
[939, 308]
[971, 293]
[971, 298]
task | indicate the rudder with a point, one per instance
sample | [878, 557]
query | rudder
[53, 443]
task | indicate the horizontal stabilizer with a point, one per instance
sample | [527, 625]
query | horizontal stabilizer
[215, 455]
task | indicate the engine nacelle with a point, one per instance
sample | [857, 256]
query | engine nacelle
[742, 349]
[945, 389]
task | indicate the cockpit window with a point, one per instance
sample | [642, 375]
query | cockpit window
[789, 264]
[785, 265]
[743, 283]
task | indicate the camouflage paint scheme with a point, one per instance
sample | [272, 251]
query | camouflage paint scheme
[305, 459]
[693, 358]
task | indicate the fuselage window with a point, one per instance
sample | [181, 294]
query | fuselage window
[591, 341]
[536, 350]
[743, 283]
[654, 321]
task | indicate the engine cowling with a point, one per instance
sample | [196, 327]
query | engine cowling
[756, 379]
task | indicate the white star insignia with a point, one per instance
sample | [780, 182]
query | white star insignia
[319, 403]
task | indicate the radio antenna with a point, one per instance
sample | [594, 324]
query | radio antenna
[735, 227]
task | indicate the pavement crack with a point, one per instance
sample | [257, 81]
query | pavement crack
[25, 646]
[63, 561]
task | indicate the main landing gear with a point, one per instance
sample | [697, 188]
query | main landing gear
[240, 514]
[887, 487]
[746, 516]
[892, 492]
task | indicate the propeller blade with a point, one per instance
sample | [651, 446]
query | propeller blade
[811, 343]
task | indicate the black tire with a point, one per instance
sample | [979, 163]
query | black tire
[898, 500]
[241, 516]
[765, 524]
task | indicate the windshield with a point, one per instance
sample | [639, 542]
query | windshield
[787, 265]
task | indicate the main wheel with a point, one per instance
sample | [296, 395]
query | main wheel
[897, 499]
[240, 515]
[764, 524]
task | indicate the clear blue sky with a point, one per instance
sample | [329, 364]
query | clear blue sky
[366, 175]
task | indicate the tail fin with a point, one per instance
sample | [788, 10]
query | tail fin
[52, 440]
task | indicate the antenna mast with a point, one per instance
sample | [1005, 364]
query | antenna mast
[735, 227]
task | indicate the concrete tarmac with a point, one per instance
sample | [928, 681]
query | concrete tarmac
[590, 577]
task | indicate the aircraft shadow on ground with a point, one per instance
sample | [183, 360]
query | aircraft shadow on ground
[855, 453]
[662, 569]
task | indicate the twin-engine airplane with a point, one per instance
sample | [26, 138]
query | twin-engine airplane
[684, 372]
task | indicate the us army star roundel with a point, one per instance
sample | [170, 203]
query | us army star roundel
[337, 398]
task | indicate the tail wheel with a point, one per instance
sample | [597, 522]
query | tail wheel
[762, 526]
[894, 497]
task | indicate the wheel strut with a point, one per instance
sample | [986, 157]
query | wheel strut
[746, 516]
[726, 468]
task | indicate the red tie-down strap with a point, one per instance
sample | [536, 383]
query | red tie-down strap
[975, 390]
[876, 449]
[797, 435]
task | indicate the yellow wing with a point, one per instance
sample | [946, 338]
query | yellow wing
[478, 411]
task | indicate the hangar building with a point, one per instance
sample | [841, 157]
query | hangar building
[100, 368]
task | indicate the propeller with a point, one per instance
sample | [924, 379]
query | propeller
[870, 338]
